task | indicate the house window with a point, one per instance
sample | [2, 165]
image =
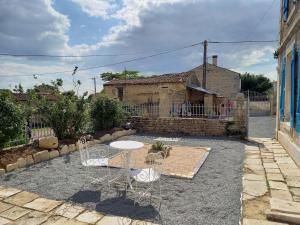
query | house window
[282, 89]
[120, 92]
[293, 78]
[297, 88]
[286, 5]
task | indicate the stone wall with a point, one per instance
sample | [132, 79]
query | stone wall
[143, 93]
[188, 126]
[225, 82]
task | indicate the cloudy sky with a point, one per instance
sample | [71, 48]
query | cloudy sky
[127, 29]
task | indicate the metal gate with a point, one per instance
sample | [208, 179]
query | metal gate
[259, 104]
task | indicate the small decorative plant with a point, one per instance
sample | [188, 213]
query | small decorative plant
[159, 147]
[156, 147]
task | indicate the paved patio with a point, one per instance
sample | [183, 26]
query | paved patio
[212, 197]
[24, 208]
[271, 184]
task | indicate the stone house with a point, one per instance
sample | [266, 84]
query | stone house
[288, 85]
[165, 90]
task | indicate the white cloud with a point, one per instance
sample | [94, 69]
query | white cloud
[250, 57]
[96, 8]
[32, 27]
[145, 27]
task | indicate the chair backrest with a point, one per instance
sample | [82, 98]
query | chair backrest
[156, 162]
[101, 150]
[84, 153]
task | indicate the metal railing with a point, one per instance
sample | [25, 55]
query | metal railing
[181, 110]
[36, 128]
[33, 130]
[201, 111]
[145, 110]
[256, 96]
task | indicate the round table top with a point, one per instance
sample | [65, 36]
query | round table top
[127, 145]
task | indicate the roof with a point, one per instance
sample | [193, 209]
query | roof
[165, 78]
[206, 91]
[213, 66]
[20, 97]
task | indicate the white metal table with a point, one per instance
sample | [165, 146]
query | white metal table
[127, 147]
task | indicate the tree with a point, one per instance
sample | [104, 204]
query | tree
[256, 83]
[5, 94]
[49, 88]
[106, 113]
[125, 74]
[12, 121]
[18, 89]
[68, 117]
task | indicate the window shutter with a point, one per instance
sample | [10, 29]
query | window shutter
[292, 106]
[282, 89]
[285, 10]
[298, 97]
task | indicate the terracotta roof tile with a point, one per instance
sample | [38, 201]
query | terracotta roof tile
[166, 78]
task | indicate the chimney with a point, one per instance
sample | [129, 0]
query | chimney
[215, 60]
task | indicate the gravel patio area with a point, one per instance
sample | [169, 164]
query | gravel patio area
[212, 197]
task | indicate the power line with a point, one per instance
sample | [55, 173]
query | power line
[241, 42]
[107, 65]
[140, 58]
[121, 54]
[65, 56]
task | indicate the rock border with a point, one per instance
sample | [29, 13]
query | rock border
[45, 155]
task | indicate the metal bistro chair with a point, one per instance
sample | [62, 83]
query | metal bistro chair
[147, 181]
[102, 152]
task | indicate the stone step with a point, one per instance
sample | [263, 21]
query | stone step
[283, 217]
[283, 206]
[259, 222]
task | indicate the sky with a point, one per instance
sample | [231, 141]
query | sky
[127, 29]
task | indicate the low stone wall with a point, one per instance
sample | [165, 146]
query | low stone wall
[62, 150]
[188, 126]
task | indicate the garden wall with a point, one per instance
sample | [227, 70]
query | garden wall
[189, 126]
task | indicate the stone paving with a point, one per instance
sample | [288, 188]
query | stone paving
[271, 185]
[24, 208]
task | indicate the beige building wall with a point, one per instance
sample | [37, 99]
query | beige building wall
[163, 93]
[289, 37]
[225, 82]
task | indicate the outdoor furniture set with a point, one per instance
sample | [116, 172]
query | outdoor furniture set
[142, 183]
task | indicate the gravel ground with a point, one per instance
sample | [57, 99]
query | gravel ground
[263, 126]
[212, 197]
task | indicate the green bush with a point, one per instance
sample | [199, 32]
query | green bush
[67, 117]
[12, 121]
[106, 113]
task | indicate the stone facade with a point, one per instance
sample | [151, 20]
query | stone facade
[188, 126]
[237, 125]
[166, 89]
[225, 82]
[288, 88]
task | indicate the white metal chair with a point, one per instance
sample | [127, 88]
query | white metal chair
[147, 181]
[101, 159]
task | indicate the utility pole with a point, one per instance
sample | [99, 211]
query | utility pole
[204, 63]
[95, 84]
